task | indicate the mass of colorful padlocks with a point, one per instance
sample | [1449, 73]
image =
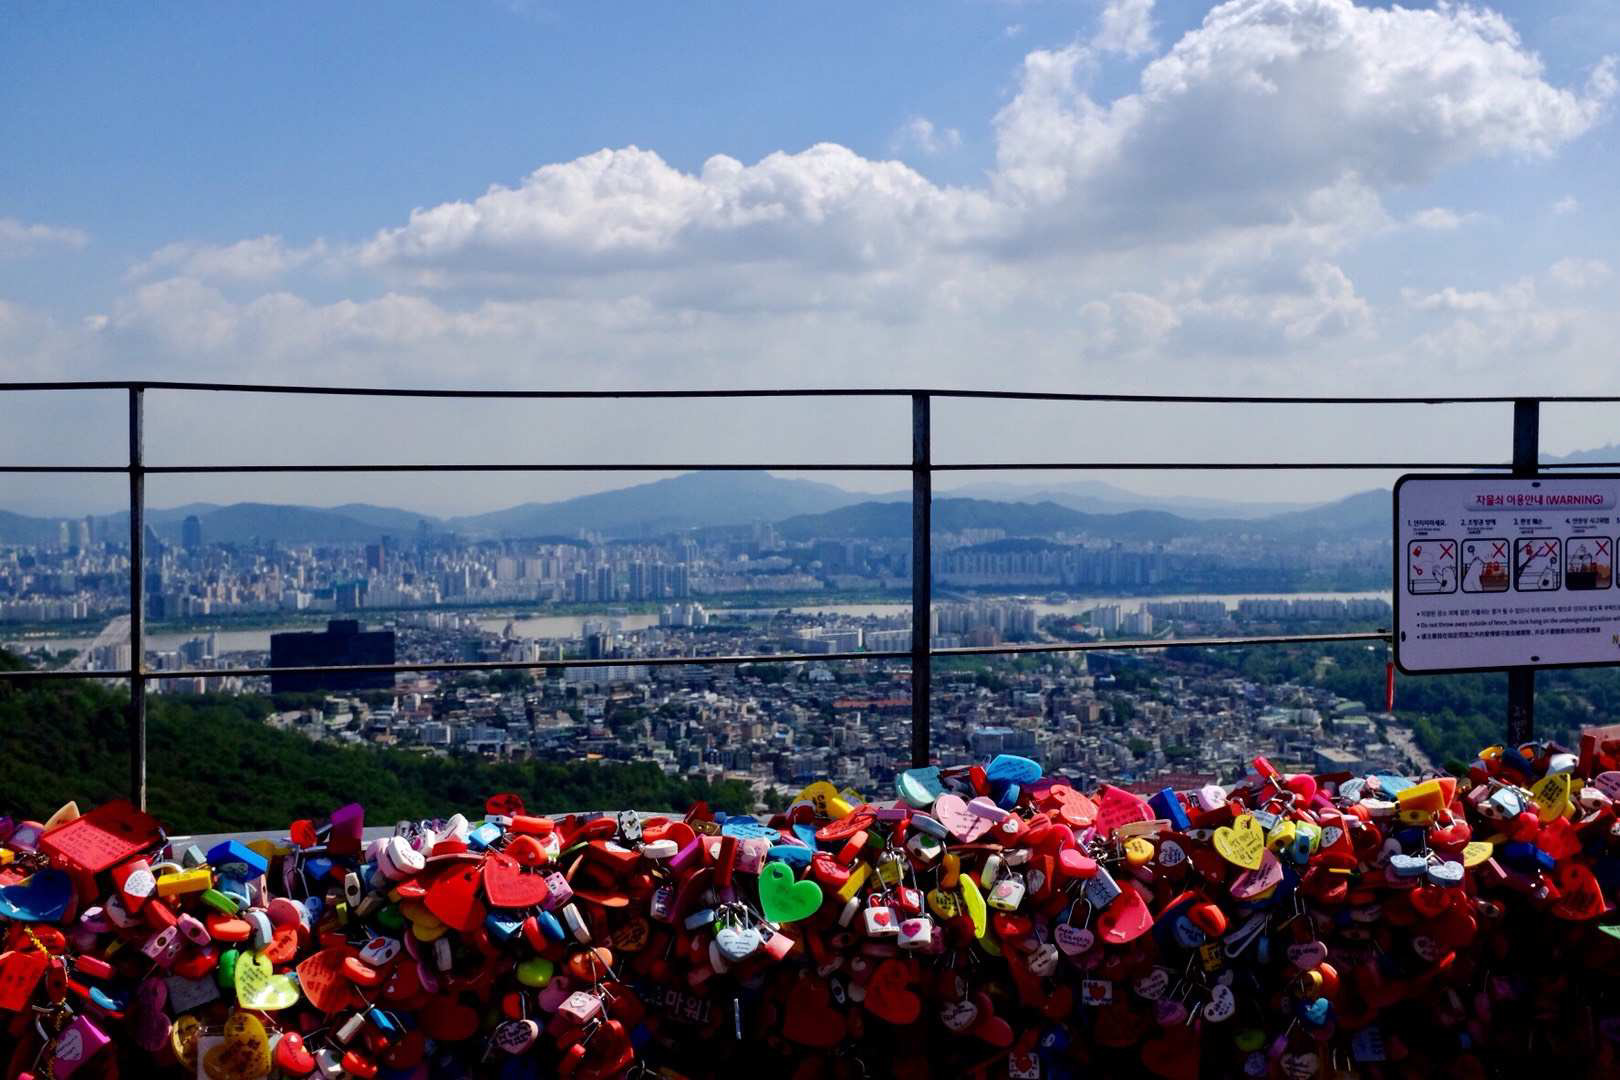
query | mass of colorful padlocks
[984, 921]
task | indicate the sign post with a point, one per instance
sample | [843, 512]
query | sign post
[1521, 718]
[1512, 573]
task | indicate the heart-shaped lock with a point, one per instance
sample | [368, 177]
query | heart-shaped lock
[959, 1016]
[952, 812]
[508, 884]
[516, 1036]
[1243, 843]
[453, 897]
[889, 995]
[784, 900]
[258, 987]
[1073, 940]
[1043, 962]
[1152, 986]
[737, 943]
[1306, 955]
[1126, 919]
[321, 979]
[1251, 884]
[245, 1052]
[1222, 1004]
[290, 1056]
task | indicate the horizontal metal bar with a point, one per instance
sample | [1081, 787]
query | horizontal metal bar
[1215, 466]
[854, 466]
[795, 392]
[1115, 645]
[706, 467]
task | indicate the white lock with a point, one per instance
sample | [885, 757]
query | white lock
[916, 932]
[881, 922]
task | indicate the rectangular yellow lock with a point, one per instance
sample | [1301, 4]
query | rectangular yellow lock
[185, 881]
[857, 878]
[1427, 796]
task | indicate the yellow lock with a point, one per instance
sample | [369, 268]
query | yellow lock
[1138, 852]
[1414, 817]
[1210, 956]
[1476, 852]
[950, 868]
[820, 795]
[1551, 796]
[1281, 835]
[944, 904]
[990, 945]
[857, 878]
[973, 900]
[185, 881]
[1428, 796]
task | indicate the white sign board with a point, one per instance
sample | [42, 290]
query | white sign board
[1495, 571]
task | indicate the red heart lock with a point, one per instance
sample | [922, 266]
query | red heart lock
[453, 897]
[990, 1028]
[1582, 895]
[321, 979]
[1126, 919]
[889, 995]
[810, 1018]
[508, 884]
[291, 1057]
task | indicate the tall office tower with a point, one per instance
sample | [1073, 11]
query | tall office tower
[82, 528]
[376, 558]
[605, 592]
[689, 551]
[638, 580]
[191, 534]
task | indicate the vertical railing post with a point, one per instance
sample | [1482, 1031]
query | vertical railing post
[137, 601]
[922, 578]
[1521, 720]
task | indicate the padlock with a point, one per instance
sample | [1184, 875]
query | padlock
[1008, 893]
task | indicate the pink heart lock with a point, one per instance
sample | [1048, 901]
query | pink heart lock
[964, 824]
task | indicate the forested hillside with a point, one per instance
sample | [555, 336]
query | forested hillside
[212, 764]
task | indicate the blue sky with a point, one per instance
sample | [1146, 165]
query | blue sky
[1269, 196]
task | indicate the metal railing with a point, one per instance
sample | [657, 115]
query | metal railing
[921, 467]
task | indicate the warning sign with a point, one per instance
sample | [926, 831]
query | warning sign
[1495, 572]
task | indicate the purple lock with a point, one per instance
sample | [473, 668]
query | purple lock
[561, 892]
[78, 1043]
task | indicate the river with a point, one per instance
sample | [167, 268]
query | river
[571, 626]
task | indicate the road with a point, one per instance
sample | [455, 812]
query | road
[1401, 738]
[114, 633]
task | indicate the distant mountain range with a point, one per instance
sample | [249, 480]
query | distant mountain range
[800, 508]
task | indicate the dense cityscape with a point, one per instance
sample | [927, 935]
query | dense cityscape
[1149, 716]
